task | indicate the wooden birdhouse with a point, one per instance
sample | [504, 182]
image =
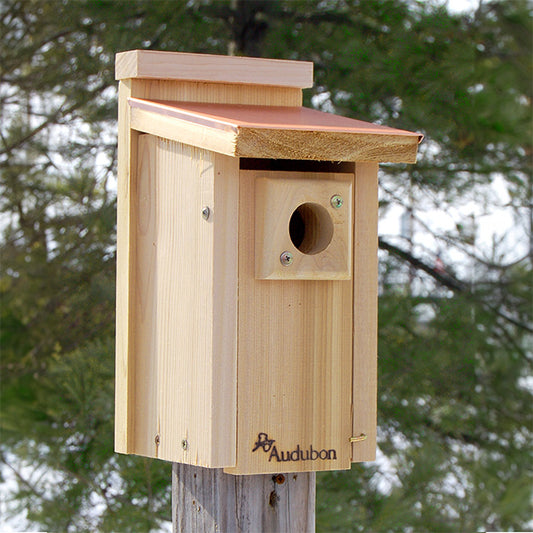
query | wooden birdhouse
[246, 266]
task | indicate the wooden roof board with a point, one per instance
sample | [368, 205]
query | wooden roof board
[153, 64]
[274, 132]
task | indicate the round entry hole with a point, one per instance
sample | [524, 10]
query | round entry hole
[311, 228]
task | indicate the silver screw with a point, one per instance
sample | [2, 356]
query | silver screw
[336, 201]
[206, 212]
[286, 258]
[185, 444]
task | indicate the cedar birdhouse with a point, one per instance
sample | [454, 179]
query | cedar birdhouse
[246, 266]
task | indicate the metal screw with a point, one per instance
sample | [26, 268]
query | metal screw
[336, 201]
[185, 444]
[286, 258]
[206, 212]
[157, 440]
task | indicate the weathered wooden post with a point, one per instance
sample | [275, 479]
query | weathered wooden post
[246, 284]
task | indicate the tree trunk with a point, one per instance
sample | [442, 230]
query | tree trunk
[207, 500]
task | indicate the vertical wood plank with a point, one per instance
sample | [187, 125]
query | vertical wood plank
[184, 306]
[225, 218]
[145, 197]
[185, 295]
[124, 366]
[365, 301]
[207, 500]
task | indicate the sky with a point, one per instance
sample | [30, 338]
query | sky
[459, 6]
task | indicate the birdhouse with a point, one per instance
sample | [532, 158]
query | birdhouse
[246, 266]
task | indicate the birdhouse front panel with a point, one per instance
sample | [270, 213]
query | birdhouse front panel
[294, 355]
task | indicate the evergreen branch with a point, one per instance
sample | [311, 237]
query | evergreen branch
[463, 436]
[505, 316]
[449, 281]
[506, 337]
[23, 480]
[442, 278]
[53, 119]
[461, 245]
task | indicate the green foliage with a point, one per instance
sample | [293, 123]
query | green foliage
[454, 352]
[66, 418]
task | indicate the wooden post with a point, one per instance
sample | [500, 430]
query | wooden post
[207, 499]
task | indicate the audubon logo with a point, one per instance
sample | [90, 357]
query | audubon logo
[298, 454]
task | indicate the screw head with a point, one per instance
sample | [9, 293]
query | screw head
[286, 258]
[336, 201]
[206, 212]
[185, 444]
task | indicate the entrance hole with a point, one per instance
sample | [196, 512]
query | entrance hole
[311, 228]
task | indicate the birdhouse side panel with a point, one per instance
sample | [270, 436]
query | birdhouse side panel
[364, 388]
[124, 364]
[184, 369]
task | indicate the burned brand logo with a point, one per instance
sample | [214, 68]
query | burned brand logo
[298, 454]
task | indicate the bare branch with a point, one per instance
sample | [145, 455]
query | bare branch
[451, 282]
[444, 279]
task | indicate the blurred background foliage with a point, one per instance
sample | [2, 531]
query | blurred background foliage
[455, 333]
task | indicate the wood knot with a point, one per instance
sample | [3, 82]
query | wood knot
[273, 499]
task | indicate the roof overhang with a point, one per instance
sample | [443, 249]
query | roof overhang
[273, 132]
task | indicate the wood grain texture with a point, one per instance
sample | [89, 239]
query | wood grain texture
[124, 369]
[127, 387]
[266, 117]
[145, 358]
[294, 361]
[326, 248]
[325, 146]
[189, 306]
[217, 68]
[220, 141]
[207, 500]
[223, 93]
[225, 218]
[365, 300]
[274, 132]
[184, 320]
